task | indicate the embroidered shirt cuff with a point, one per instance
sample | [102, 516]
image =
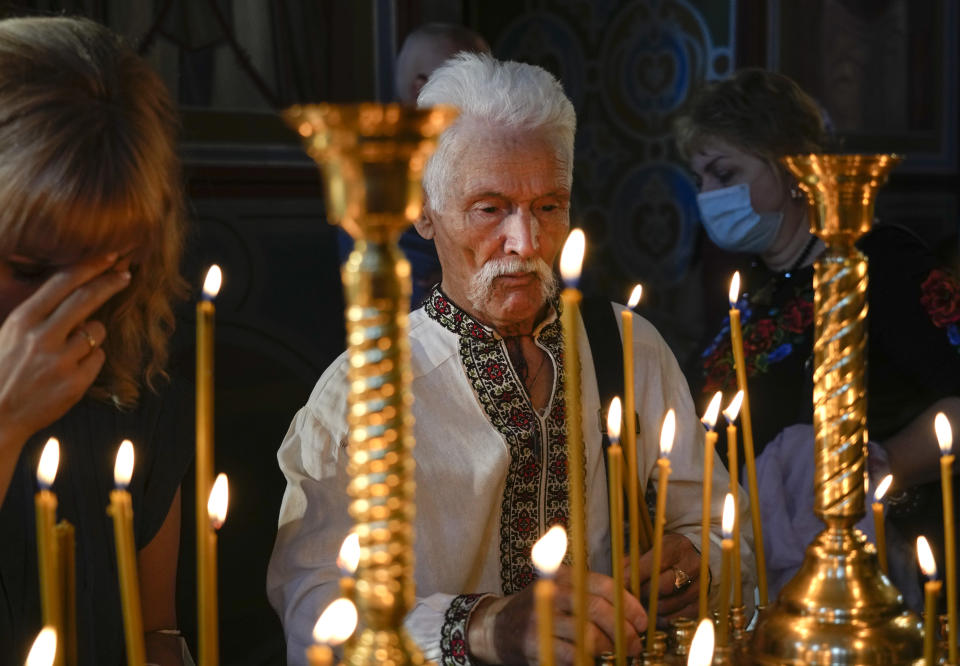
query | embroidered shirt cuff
[453, 633]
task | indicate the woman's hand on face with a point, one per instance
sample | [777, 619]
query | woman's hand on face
[50, 351]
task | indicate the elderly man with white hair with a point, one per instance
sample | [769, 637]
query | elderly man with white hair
[490, 418]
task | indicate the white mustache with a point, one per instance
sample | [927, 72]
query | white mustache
[482, 283]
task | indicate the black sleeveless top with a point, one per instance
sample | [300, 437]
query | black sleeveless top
[161, 429]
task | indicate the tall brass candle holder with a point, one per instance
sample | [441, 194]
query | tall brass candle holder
[839, 608]
[372, 158]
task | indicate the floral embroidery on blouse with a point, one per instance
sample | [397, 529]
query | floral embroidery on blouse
[940, 297]
[770, 334]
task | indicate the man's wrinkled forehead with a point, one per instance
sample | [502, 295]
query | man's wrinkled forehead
[479, 139]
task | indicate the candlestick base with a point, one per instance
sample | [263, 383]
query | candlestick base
[839, 608]
[384, 646]
[682, 630]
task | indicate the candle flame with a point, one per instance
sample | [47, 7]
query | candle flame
[701, 647]
[336, 623]
[925, 556]
[211, 283]
[123, 467]
[44, 648]
[667, 431]
[941, 424]
[726, 521]
[882, 487]
[548, 551]
[218, 501]
[733, 409]
[635, 296]
[49, 461]
[614, 417]
[734, 294]
[571, 259]
[713, 410]
[349, 556]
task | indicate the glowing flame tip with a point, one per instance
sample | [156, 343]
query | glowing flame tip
[925, 556]
[211, 283]
[571, 258]
[349, 555]
[713, 411]
[733, 409]
[49, 461]
[728, 516]
[882, 487]
[336, 624]
[635, 296]
[44, 648]
[123, 467]
[734, 294]
[547, 553]
[614, 417]
[218, 501]
[667, 432]
[941, 424]
[701, 647]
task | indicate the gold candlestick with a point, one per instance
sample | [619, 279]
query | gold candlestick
[709, 421]
[207, 646]
[746, 421]
[67, 569]
[372, 158]
[730, 414]
[839, 608]
[570, 262]
[945, 439]
[878, 525]
[931, 590]
[48, 571]
[667, 432]
[615, 483]
[121, 509]
[547, 554]
[336, 624]
[726, 563]
[43, 652]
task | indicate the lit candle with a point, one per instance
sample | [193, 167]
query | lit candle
[931, 590]
[45, 504]
[547, 554]
[878, 520]
[726, 550]
[66, 564]
[121, 509]
[701, 647]
[736, 342]
[709, 420]
[945, 438]
[336, 624]
[667, 432]
[639, 535]
[347, 560]
[570, 262]
[615, 472]
[44, 649]
[209, 624]
[730, 413]
[204, 445]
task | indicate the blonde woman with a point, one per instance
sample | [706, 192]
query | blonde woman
[90, 246]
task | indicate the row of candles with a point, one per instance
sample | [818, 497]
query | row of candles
[55, 541]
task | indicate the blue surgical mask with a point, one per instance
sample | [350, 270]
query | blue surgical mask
[733, 224]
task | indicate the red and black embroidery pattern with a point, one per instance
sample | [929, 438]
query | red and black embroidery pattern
[535, 493]
[453, 633]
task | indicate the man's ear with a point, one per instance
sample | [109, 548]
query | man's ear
[425, 223]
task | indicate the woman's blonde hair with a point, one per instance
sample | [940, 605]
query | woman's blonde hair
[88, 165]
[762, 112]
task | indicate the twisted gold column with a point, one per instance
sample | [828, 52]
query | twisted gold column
[372, 157]
[839, 608]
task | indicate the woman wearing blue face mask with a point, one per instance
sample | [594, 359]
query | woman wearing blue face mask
[733, 135]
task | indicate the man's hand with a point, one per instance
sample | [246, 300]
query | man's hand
[503, 630]
[678, 555]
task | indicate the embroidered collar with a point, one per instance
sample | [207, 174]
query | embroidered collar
[452, 317]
